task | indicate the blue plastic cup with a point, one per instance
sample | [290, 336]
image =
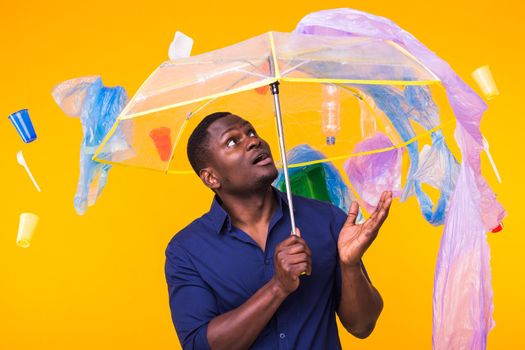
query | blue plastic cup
[23, 125]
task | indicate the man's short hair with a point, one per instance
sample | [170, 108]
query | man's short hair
[197, 149]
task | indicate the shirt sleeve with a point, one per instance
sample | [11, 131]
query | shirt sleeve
[338, 220]
[192, 302]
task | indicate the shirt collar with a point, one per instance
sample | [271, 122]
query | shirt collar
[218, 217]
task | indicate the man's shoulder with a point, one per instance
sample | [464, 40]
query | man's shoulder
[190, 234]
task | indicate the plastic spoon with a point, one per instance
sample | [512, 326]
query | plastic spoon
[20, 159]
[486, 149]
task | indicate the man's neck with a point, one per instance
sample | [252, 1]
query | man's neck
[253, 209]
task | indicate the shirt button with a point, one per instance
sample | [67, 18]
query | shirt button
[282, 335]
[267, 261]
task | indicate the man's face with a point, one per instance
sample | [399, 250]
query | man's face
[239, 159]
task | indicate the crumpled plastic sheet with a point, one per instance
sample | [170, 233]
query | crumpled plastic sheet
[98, 107]
[463, 298]
[415, 103]
[438, 168]
[337, 189]
[374, 173]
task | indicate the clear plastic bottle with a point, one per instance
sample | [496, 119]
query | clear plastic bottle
[331, 113]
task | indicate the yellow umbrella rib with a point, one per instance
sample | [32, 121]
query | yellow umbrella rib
[375, 151]
[404, 51]
[191, 81]
[360, 81]
[131, 102]
[106, 139]
[104, 161]
[319, 161]
[330, 159]
[352, 188]
[123, 112]
[274, 57]
[250, 86]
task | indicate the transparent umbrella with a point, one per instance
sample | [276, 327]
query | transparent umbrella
[306, 89]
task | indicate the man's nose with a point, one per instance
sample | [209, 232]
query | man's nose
[254, 142]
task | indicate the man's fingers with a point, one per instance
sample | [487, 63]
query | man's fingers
[380, 205]
[352, 214]
[297, 232]
[289, 241]
[296, 259]
[296, 248]
[383, 213]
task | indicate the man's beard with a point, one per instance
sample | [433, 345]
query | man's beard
[259, 184]
[267, 180]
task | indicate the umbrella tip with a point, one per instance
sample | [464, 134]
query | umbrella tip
[330, 140]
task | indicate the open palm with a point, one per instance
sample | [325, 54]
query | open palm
[354, 239]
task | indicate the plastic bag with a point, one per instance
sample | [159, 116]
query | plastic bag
[463, 298]
[319, 181]
[98, 108]
[438, 168]
[374, 173]
[462, 316]
[70, 94]
[415, 103]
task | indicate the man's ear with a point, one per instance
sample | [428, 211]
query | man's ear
[207, 176]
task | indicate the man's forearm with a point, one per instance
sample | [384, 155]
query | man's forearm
[238, 328]
[360, 303]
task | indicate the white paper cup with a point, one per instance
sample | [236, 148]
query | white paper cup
[26, 228]
[485, 81]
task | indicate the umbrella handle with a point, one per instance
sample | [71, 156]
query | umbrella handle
[275, 92]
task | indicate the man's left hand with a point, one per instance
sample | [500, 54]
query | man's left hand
[354, 239]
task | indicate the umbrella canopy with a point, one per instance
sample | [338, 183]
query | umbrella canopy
[325, 96]
[335, 93]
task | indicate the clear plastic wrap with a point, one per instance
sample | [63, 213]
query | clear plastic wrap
[98, 108]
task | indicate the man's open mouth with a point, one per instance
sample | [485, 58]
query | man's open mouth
[263, 159]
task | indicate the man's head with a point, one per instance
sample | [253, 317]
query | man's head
[228, 155]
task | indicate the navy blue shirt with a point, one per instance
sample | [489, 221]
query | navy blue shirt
[213, 267]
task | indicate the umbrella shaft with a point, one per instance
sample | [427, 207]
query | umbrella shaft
[282, 147]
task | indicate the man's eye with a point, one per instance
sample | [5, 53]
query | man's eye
[252, 133]
[231, 142]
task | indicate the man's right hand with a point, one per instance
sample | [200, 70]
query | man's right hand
[292, 258]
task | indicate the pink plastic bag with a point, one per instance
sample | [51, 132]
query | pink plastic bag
[463, 295]
[463, 298]
[374, 173]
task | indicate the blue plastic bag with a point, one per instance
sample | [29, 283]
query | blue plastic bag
[98, 108]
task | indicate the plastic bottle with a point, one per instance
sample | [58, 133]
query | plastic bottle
[331, 113]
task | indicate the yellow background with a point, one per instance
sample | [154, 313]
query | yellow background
[97, 281]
